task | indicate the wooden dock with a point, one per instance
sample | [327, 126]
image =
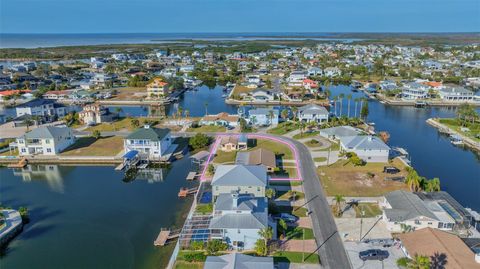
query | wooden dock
[192, 176]
[184, 192]
[164, 236]
[21, 164]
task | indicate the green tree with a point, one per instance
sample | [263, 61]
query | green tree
[282, 224]
[96, 134]
[270, 193]
[349, 97]
[135, 123]
[215, 245]
[364, 111]
[211, 169]
[284, 115]
[338, 199]
[419, 262]
[199, 140]
[294, 110]
[260, 247]
[413, 180]
[266, 234]
[243, 125]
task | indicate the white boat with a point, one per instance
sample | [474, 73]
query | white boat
[456, 140]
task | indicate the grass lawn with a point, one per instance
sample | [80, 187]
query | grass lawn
[285, 183]
[305, 135]
[208, 129]
[333, 147]
[287, 195]
[10, 153]
[286, 173]
[454, 124]
[188, 265]
[204, 208]
[120, 124]
[238, 89]
[181, 262]
[320, 159]
[345, 179]
[280, 149]
[370, 210]
[283, 128]
[224, 157]
[295, 257]
[89, 146]
[297, 233]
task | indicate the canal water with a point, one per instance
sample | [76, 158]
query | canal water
[88, 217]
[432, 154]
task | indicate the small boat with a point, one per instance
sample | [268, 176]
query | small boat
[420, 104]
[456, 140]
[224, 95]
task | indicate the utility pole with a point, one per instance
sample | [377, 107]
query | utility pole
[362, 213]
[303, 245]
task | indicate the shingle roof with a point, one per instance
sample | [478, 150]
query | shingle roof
[361, 142]
[240, 175]
[431, 242]
[47, 132]
[238, 261]
[150, 133]
[405, 206]
[262, 157]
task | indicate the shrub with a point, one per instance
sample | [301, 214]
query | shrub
[194, 257]
[214, 246]
[197, 245]
[96, 134]
[199, 141]
[402, 262]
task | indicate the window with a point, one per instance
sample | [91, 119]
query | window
[23, 150]
[49, 150]
[20, 141]
[47, 141]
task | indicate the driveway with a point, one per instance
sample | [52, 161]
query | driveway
[353, 248]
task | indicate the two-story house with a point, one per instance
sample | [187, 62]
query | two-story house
[150, 142]
[46, 108]
[263, 116]
[313, 113]
[48, 140]
[157, 88]
[242, 178]
[368, 148]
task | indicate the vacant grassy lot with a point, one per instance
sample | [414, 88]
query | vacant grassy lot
[281, 150]
[240, 89]
[208, 129]
[89, 146]
[295, 257]
[370, 210]
[224, 157]
[283, 128]
[130, 93]
[369, 180]
[123, 124]
[474, 132]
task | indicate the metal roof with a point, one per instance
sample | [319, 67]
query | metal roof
[48, 132]
[238, 261]
[405, 206]
[149, 133]
[240, 175]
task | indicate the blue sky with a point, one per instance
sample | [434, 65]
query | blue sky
[159, 16]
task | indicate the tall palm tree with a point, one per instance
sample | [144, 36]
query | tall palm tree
[413, 180]
[361, 105]
[349, 97]
[335, 104]
[356, 104]
[294, 110]
[338, 199]
[340, 97]
[270, 116]
[266, 234]
[187, 113]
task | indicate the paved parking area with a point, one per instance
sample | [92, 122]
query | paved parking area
[349, 229]
[353, 248]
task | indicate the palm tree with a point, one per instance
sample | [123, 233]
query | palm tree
[335, 104]
[338, 199]
[349, 97]
[266, 234]
[253, 120]
[413, 180]
[284, 114]
[187, 113]
[356, 104]
[340, 97]
[282, 224]
[419, 262]
[433, 185]
[28, 122]
[270, 116]
[294, 110]
[361, 104]
[302, 127]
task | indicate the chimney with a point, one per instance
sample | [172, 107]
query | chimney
[235, 199]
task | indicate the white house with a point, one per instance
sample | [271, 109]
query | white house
[151, 142]
[237, 219]
[456, 94]
[48, 140]
[263, 116]
[368, 148]
[313, 113]
[262, 95]
[332, 72]
[251, 179]
[414, 91]
[42, 107]
[405, 210]
[237, 261]
[296, 78]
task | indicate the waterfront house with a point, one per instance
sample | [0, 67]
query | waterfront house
[48, 140]
[157, 88]
[242, 178]
[263, 117]
[150, 142]
[296, 78]
[262, 95]
[404, 210]
[445, 247]
[313, 113]
[57, 95]
[310, 85]
[232, 142]
[101, 79]
[414, 91]
[332, 72]
[94, 114]
[456, 94]
[259, 156]
[368, 148]
[238, 218]
[238, 261]
[220, 119]
[314, 71]
[338, 132]
[46, 108]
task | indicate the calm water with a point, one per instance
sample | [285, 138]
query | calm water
[87, 217]
[55, 40]
[432, 154]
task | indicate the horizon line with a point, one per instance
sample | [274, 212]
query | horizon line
[242, 32]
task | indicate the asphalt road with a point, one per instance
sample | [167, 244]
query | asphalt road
[330, 246]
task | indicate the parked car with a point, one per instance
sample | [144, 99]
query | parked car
[288, 217]
[373, 254]
[390, 170]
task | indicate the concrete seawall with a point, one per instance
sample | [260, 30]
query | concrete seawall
[466, 140]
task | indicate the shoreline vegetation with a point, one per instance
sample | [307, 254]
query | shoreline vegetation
[86, 51]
